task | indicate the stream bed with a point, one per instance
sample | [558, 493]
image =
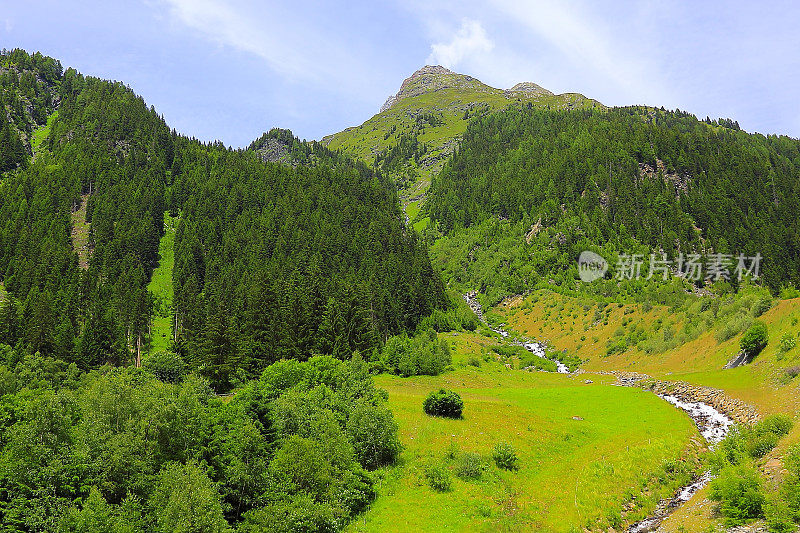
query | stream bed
[537, 348]
[714, 426]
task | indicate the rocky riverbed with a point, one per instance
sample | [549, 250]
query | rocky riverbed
[714, 414]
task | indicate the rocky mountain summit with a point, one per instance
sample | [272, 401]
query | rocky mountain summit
[433, 78]
[419, 127]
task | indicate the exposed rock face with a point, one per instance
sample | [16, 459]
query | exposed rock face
[680, 182]
[430, 79]
[526, 88]
[274, 151]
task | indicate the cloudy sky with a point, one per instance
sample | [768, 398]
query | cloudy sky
[231, 69]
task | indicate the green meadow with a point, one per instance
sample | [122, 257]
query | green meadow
[161, 289]
[589, 453]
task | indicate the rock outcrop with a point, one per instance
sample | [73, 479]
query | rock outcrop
[432, 78]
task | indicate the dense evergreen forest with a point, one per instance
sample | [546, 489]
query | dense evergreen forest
[272, 262]
[305, 264]
[545, 185]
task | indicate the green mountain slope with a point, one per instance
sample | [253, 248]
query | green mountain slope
[420, 127]
[270, 261]
[530, 189]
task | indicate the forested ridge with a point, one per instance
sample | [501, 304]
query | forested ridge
[275, 263]
[271, 262]
[624, 180]
[302, 265]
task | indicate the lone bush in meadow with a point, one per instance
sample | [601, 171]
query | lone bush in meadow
[469, 466]
[787, 343]
[444, 403]
[438, 478]
[505, 457]
[755, 339]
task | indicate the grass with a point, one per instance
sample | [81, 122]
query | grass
[574, 472]
[41, 133]
[766, 383]
[161, 288]
[80, 233]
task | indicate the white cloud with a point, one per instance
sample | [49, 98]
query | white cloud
[585, 44]
[228, 26]
[470, 40]
[290, 44]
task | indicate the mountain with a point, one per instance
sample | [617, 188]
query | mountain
[530, 189]
[272, 260]
[420, 126]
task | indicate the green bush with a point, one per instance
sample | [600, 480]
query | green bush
[733, 326]
[754, 442]
[444, 403]
[438, 478]
[740, 494]
[469, 466]
[755, 339]
[779, 517]
[762, 305]
[166, 366]
[779, 425]
[788, 342]
[505, 457]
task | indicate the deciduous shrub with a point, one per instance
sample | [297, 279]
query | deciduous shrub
[788, 342]
[740, 494]
[444, 403]
[438, 478]
[755, 339]
[166, 366]
[469, 466]
[505, 457]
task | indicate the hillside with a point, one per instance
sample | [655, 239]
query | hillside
[82, 224]
[201, 338]
[418, 128]
[530, 189]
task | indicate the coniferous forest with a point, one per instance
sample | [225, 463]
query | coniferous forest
[306, 265]
[624, 179]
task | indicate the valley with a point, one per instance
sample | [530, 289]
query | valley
[196, 337]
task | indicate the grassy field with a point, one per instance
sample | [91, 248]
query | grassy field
[41, 133]
[587, 451]
[769, 383]
[160, 287]
[80, 233]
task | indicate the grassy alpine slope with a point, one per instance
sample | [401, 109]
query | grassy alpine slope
[432, 109]
[590, 455]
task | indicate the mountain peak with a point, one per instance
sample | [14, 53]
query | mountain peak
[428, 79]
[433, 78]
[528, 88]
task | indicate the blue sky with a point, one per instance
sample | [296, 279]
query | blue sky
[231, 69]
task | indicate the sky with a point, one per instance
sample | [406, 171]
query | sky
[231, 69]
